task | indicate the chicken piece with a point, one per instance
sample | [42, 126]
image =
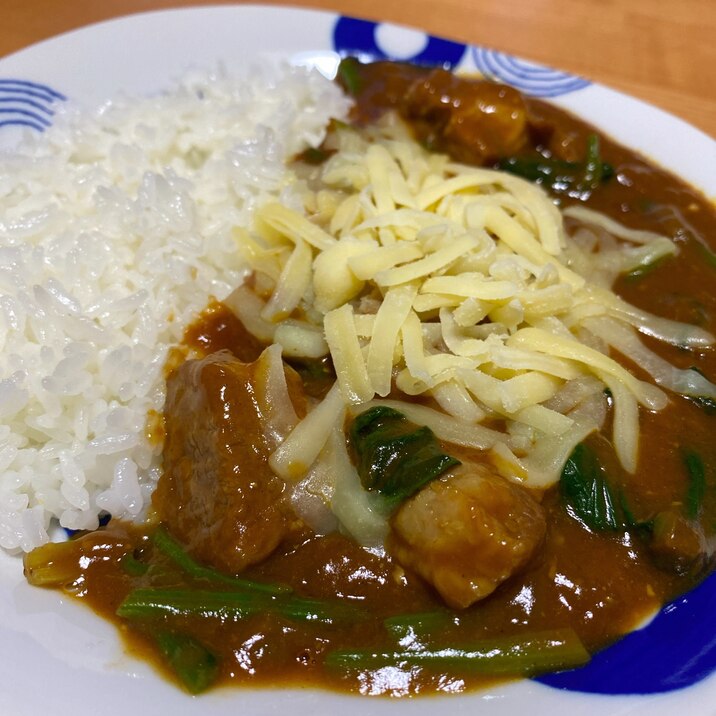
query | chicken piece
[217, 494]
[467, 532]
[473, 120]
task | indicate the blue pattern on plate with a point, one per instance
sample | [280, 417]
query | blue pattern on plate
[27, 104]
[677, 649]
[534, 80]
[104, 519]
[358, 37]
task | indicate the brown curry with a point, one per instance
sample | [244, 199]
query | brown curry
[224, 519]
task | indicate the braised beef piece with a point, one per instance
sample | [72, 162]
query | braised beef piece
[475, 121]
[217, 494]
[681, 544]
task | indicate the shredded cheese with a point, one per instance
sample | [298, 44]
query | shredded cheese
[461, 285]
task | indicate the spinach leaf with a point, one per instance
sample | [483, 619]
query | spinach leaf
[586, 493]
[394, 456]
[590, 498]
[314, 156]
[641, 271]
[553, 172]
[317, 374]
[709, 256]
[349, 75]
[697, 483]
[577, 179]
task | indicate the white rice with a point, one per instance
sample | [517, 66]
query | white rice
[116, 227]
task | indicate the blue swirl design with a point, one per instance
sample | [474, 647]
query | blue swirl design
[675, 650]
[678, 648]
[527, 77]
[27, 104]
[358, 37]
[104, 520]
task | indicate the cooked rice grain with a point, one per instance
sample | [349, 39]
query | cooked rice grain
[116, 227]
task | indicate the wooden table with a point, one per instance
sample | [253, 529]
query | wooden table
[662, 51]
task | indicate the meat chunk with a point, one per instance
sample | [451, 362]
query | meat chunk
[681, 545]
[467, 532]
[217, 493]
[474, 120]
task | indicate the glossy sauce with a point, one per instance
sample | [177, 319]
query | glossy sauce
[601, 585]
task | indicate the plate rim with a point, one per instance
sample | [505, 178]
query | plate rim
[42, 46]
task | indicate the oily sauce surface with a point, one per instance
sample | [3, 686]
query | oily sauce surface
[599, 587]
[599, 584]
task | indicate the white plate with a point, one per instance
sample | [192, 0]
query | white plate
[58, 656]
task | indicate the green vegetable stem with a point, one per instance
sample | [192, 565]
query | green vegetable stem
[195, 666]
[172, 549]
[420, 624]
[148, 603]
[349, 75]
[697, 483]
[527, 655]
[574, 178]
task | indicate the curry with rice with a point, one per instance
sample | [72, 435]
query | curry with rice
[395, 554]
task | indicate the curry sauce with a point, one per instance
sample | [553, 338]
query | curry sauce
[320, 595]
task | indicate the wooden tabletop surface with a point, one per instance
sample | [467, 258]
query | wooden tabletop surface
[662, 51]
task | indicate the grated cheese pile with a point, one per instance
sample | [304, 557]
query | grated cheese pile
[430, 278]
